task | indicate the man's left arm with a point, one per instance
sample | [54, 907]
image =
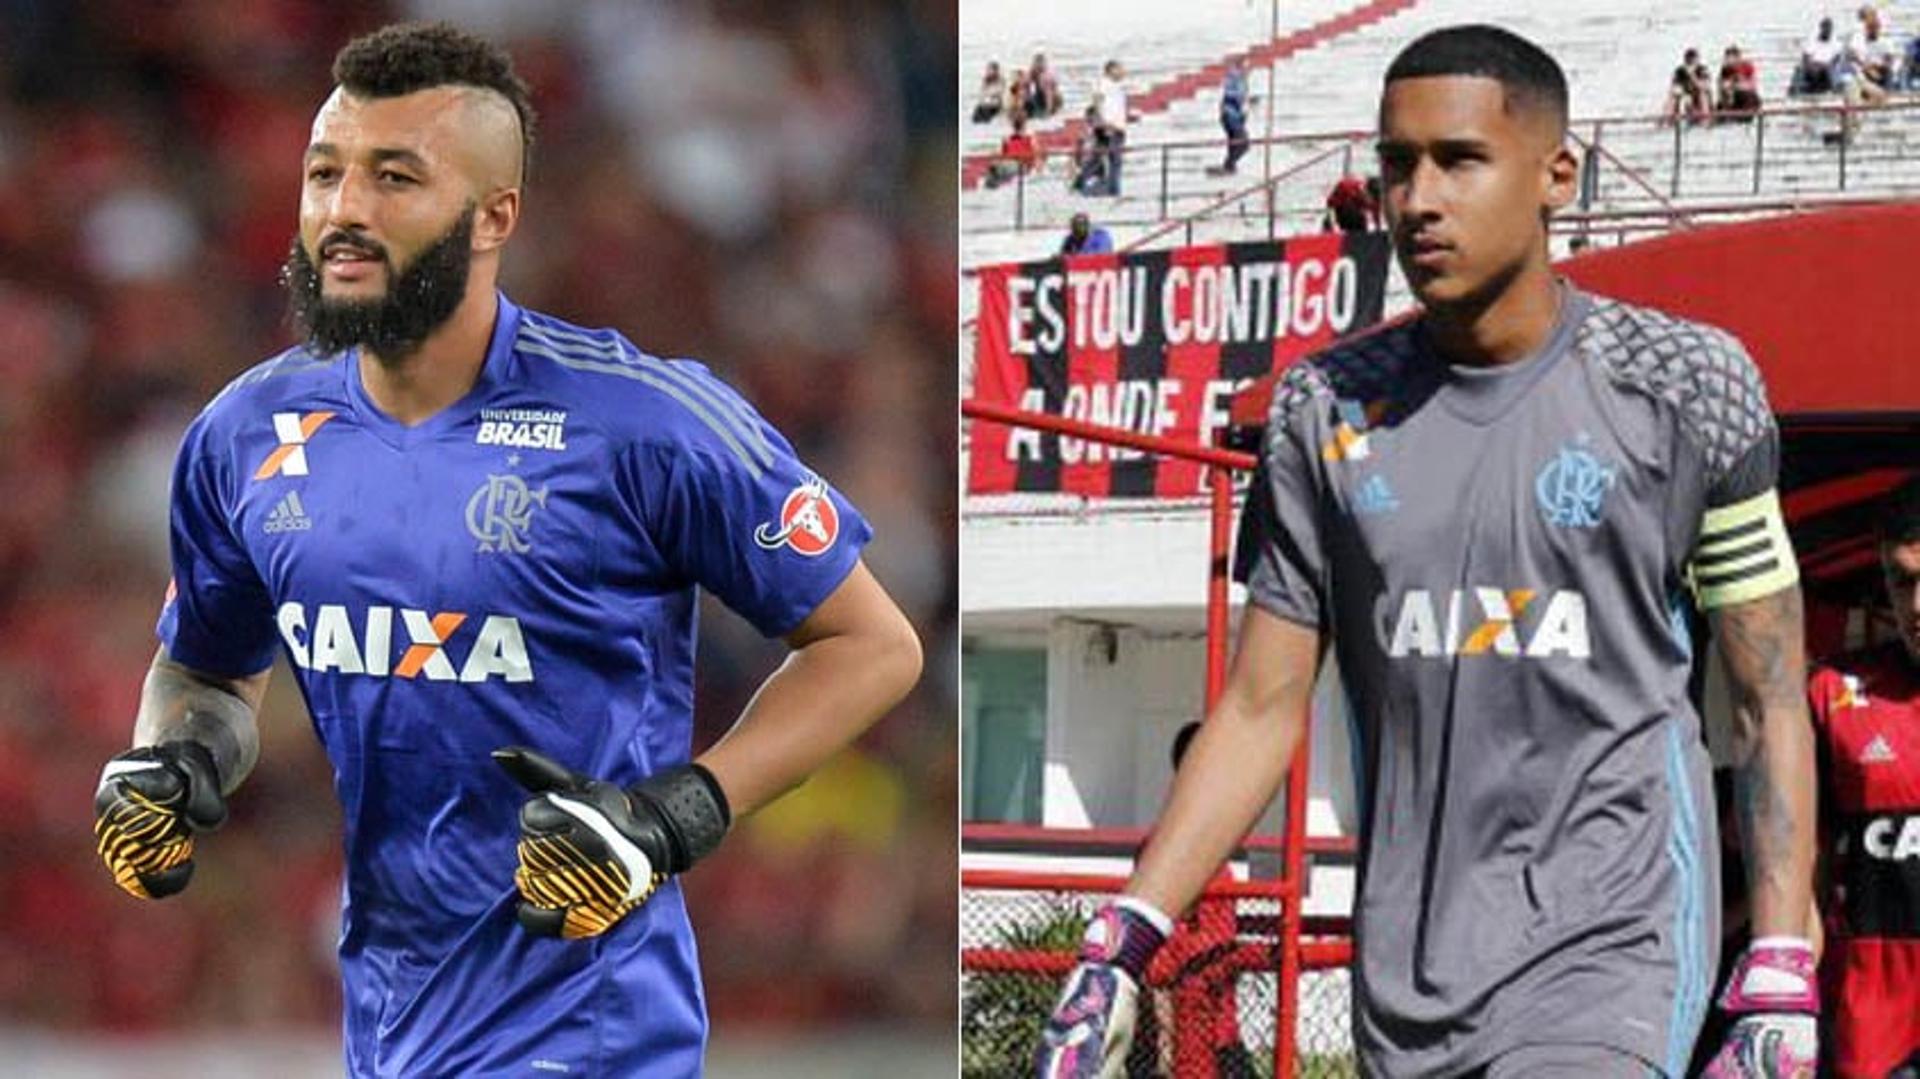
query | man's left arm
[723, 502]
[853, 658]
[1772, 993]
[1774, 776]
[590, 852]
[1746, 578]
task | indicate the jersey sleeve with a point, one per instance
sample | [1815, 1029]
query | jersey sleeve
[732, 508]
[1824, 686]
[217, 616]
[1280, 544]
[1743, 552]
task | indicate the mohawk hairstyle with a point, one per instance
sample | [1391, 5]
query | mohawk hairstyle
[1898, 517]
[406, 57]
[1529, 77]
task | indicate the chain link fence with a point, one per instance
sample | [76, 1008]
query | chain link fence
[1210, 1006]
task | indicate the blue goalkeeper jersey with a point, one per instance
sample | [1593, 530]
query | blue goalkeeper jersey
[519, 569]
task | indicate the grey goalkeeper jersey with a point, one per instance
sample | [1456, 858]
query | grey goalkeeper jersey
[1502, 559]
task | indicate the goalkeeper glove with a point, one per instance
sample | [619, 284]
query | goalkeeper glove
[1774, 1001]
[591, 852]
[150, 804]
[1091, 1028]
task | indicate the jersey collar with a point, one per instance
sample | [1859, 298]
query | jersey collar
[1481, 395]
[506, 326]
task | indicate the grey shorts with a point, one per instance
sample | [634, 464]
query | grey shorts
[1567, 1062]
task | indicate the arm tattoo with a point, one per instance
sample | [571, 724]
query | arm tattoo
[1765, 817]
[1762, 644]
[175, 706]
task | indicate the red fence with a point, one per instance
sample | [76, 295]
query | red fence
[1233, 969]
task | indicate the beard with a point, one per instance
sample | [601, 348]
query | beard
[417, 302]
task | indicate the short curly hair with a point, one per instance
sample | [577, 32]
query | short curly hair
[407, 57]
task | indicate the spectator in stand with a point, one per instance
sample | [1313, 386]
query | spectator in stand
[1353, 205]
[1739, 87]
[1866, 67]
[1689, 93]
[1818, 58]
[993, 94]
[1089, 156]
[1019, 91]
[1233, 116]
[1043, 90]
[1110, 103]
[1084, 239]
[1019, 154]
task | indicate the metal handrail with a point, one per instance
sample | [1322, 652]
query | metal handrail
[1568, 220]
[1654, 118]
[1222, 203]
[1835, 105]
[1765, 148]
[1595, 147]
[1214, 456]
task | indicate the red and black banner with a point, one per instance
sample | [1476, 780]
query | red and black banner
[1156, 342]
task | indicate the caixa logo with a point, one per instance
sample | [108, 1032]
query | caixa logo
[336, 642]
[1521, 622]
[1892, 838]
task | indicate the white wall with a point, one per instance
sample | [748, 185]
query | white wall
[1026, 570]
[1116, 695]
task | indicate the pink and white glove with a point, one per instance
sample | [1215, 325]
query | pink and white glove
[1774, 999]
[1091, 1028]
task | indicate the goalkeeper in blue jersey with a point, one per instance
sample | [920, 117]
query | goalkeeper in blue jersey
[477, 534]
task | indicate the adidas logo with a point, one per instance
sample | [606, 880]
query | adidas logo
[1877, 751]
[1374, 496]
[288, 515]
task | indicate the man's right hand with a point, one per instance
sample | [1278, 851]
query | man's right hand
[150, 804]
[1091, 1028]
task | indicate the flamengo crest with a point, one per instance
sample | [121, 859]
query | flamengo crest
[1572, 487]
[500, 513]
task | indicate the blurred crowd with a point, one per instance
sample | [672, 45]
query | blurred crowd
[765, 186]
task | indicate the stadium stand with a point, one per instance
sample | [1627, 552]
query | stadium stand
[1618, 55]
[762, 185]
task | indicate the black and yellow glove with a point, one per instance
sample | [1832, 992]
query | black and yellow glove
[591, 852]
[150, 804]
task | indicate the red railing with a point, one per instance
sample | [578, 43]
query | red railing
[1070, 840]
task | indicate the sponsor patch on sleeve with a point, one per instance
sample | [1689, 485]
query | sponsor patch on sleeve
[1743, 553]
[809, 522]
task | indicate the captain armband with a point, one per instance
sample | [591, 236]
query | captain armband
[1743, 553]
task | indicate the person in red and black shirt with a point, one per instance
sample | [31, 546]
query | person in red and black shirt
[1867, 708]
[1353, 205]
[1019, 154]
[1739, 87]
